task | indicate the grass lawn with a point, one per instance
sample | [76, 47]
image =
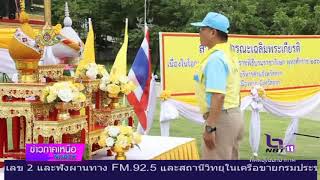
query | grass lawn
[306, 148]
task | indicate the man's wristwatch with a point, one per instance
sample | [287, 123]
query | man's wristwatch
[210, 129]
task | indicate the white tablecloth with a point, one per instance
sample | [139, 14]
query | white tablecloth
[1, 174]
[151, 147]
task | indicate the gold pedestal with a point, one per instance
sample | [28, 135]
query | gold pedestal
[28, 78]
[120, 152]
[54, 72]
[121, 156]
[114, 102]
[57, 129]
[28, 69]
[63, 112]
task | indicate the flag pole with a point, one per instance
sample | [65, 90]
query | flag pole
[124, 104]
[145, 16]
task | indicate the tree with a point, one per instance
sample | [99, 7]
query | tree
[246, 17]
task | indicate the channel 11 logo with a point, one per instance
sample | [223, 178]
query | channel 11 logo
[275, 145]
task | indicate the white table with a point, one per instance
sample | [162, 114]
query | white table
[1, 173]
[158, 147]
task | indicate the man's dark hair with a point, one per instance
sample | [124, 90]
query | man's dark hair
[222, 35]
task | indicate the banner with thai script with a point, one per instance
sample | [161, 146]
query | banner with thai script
[287, 67]
[169, 169]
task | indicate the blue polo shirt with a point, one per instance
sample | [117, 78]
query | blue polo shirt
[216, 74]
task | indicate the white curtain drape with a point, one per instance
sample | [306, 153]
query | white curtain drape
[282, 109]
[290, 138]
[8, 65]
[172, 109]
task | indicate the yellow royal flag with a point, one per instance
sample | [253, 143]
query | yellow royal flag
[119, 67]
[88, 53]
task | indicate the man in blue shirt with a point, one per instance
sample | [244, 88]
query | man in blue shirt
[220, 79]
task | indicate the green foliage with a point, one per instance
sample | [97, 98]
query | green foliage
[246, 16]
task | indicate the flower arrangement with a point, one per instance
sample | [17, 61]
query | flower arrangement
[119, 137]
[65, 91]
[258, 91]
[165, 95]
[92, 71]
[116, 87]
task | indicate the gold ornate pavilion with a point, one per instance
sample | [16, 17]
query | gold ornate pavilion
[34, 121]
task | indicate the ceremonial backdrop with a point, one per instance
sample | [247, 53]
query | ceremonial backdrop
[286, 66]
[279, 74]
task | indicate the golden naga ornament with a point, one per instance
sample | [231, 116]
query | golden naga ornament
[26, 46]
[49, 36]
[24, 50]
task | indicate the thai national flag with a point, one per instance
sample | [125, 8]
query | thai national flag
[140, 74]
